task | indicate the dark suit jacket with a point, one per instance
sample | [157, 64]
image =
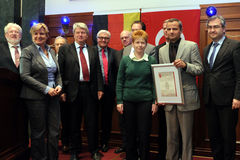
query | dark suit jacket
[34, 74]
[155, 51]
[112, 67]
[70, 71]
[223, 80]
[6, 58]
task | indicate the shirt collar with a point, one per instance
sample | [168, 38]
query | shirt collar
[11, 45]
[220, 42]
[77, 45]
[133, 57]
[46, 46]
[100, 49]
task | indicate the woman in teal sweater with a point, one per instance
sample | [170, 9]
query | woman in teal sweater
[136, 96]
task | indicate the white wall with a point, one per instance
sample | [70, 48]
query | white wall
[122, 6]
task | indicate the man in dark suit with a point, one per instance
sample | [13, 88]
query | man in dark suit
[11, 49]
[82, 86]
[221, 89]
[162, 130]
[108, 63]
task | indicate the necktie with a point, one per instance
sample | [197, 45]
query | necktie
[17, 56]
[211, 60]
[84, 65]
[105, 66]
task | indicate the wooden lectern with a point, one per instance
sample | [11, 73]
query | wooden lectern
[13, 118]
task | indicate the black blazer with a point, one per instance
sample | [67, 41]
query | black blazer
[155, 51]
[70, 71]
[6, 58]
[112, 67]
[223, 80]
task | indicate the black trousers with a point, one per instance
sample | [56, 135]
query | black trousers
[44, 116]
[122, 126]
[138, 120]
[65, 119]
[84, 105]
[222, 121]
[106, 108]
[162, 133]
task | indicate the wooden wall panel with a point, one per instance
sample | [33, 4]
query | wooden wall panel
[54, 25]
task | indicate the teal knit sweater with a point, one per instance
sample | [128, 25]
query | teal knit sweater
[135, 80]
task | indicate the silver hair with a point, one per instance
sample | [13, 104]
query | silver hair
[6, 28]
[60, 37]
[80, 25]
[222, 20]
[104, 31]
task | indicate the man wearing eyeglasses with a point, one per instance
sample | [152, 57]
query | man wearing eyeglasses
[108, 64]
[221, 89]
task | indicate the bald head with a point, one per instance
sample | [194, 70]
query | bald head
[126, 38]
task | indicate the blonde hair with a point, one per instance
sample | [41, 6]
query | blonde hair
[80, 25]
[139, 34]
[38, 26]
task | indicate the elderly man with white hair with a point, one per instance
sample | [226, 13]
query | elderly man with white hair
[11, 48]
[108, 64]
[82, 87]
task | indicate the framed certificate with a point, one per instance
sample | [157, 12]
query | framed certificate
[168, 83]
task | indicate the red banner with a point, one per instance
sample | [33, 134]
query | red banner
[190, 20]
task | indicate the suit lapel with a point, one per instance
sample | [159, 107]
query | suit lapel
[180, 49]
[221, 52]
[37, 55]
[8, 54]
[206, 53]
[165, 53]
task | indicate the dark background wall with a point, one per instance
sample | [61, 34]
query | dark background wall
[10, 11]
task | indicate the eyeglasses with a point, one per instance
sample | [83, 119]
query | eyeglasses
[103, 38]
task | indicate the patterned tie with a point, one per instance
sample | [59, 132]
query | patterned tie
[105, 66]
[84, 65]
[211, 60]
[17, 56]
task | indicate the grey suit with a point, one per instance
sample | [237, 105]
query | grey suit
[180, 117]
[148, 49]
[43, 110]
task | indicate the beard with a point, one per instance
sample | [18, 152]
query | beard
[13, 41]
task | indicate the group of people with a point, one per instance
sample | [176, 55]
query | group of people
[77, 80]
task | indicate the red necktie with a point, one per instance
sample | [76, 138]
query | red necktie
[84, 65]
[17, 56]
[105, 66]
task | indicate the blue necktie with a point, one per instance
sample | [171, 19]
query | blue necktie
[211, 60]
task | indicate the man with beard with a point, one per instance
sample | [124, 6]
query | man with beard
[10, 50]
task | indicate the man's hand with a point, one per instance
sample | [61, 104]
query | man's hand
[235, 104]
[63, 97]
[100, 94]
[179, 63]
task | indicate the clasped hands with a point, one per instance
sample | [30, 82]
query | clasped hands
[54, 91]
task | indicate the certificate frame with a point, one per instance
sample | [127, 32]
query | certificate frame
[168, 84]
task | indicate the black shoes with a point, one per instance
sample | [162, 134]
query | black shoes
[119, 150]
[105, 148]
[96, 156]
[74, 156]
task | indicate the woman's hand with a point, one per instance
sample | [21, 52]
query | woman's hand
[52, 92]
[120, 108]
[154, 109]
[58, 90]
